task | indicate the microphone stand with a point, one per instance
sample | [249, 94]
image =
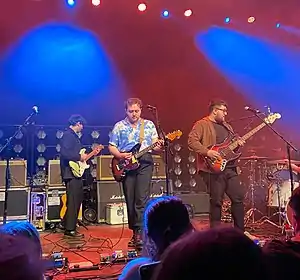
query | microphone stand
[7, 172]
[166, 149]
[289, 146]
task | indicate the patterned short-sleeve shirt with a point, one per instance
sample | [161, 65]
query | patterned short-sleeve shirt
[125, 137]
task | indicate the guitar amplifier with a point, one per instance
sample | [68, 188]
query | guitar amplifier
[18, 173]
[111, 192]
[17, 204]
[56, 201]
[104, 171]
[54, 174]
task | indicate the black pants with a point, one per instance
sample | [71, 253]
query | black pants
[136, 188]
[218, 184]
[74, 200]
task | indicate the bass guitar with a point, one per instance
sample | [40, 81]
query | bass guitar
[121, 166]
[78, 167]
[228, 149]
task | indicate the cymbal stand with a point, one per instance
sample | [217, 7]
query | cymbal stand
[250, 215]
[282, 218]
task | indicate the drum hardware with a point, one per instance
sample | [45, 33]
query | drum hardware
[250, 214]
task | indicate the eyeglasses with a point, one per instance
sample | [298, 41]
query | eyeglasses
[223, 110]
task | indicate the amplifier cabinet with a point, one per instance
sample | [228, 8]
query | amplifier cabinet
[199, 202]
[104, 171]
[18, 173]
[111, 192]
[17, 203]
[56, 198]
[54, 174]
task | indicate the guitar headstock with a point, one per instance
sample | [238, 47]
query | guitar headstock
[272, 118]
[174, 135]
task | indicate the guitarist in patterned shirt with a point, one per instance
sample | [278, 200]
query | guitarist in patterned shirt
[136, 184]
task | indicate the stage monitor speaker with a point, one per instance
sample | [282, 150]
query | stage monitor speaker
[18, 173]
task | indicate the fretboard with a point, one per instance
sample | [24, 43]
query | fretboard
[235, 144]
[146, 150]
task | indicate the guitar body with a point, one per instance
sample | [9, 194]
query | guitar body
[121, 166]
[78, 167]
[227, 155]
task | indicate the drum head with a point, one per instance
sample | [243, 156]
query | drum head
[281, 188]
[289, 214]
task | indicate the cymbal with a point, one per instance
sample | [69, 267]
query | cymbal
[283, 161]
[252, 158]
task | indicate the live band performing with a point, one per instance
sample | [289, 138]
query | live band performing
[149, 141]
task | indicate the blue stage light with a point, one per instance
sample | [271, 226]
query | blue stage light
[71, 2]
[165, 13]
[227, 20]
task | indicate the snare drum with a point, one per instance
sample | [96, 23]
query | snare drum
[284, 188]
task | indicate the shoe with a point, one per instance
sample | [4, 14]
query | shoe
[131, 242]
[73, 234]
[136, 239]
[60, 228]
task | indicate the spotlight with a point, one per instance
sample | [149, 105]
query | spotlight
[165, 13]
[251, 19]
[227, 20]
[277, 25]
[188, 13]
[41, 134]
[96, 2]
[142, 7]
[95, 134]
[71, 2]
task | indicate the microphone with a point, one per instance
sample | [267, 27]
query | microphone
[150, 107]
[35, 109]
[247, 108]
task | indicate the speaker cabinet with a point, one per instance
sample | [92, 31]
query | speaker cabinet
[111, 192]
[18, 173]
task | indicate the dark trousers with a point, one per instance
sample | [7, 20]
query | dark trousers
[136, 188]
[226, 182]
[74, 200]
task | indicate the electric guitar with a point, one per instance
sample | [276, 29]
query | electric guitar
[78, 167]
[121, 166]
[228, 149]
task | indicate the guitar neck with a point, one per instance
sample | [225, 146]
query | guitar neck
[146, 150]
[234, 145]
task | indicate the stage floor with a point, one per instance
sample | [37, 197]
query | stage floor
[104, 240]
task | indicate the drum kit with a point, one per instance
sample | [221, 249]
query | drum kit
[272, 179]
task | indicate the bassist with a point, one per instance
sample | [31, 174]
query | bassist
[206, 132]
[70, 148]
[136, 184]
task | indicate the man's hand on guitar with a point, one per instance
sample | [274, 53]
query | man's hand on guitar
[213, 154]
[241, 142]
[126, 155]
[83, 157]
[160, 145]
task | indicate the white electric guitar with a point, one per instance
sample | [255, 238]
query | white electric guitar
[78, 167]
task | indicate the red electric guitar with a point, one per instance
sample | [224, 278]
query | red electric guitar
[121, 166]
[228, 149]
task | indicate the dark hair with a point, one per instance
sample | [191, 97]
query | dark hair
[74, 119]
[24, 229]
[224, 250]
[217, 102]
[166, 219]
[295, 202]
[133, 101]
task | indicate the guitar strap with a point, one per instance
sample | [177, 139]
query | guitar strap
[142, 131]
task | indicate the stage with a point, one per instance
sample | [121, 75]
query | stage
[104, 240]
